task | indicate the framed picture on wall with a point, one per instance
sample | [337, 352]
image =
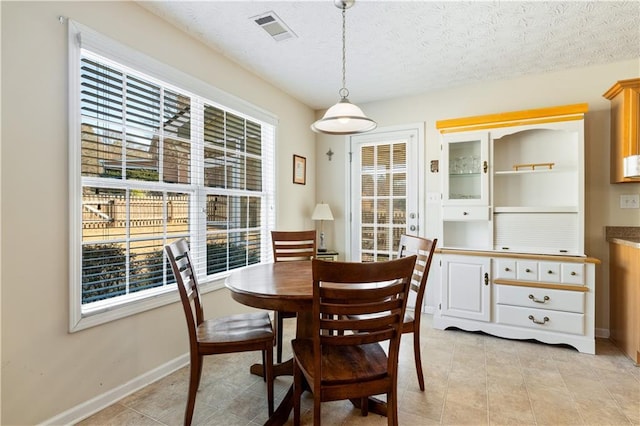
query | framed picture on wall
[299, 170]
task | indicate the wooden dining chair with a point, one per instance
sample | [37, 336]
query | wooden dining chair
[423, 249]
[290, 246]
[234, 333]
[344, 357]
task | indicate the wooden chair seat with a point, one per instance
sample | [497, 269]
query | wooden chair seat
[344, 364]
[243, 329]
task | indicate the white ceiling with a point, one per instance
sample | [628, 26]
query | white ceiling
[397, 48]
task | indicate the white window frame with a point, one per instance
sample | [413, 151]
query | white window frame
[79, 37]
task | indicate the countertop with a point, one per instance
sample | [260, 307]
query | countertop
[625, 235]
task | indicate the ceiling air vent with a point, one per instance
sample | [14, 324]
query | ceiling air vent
[273, 25]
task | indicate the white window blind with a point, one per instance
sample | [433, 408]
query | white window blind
[151, 161]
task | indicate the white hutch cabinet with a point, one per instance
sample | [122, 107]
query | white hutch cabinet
[512, 253]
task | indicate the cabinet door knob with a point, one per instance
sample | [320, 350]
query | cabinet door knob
[527, 270]
[507, 269]
[485, 166]
[535, 321]
[465, 213]
[550, 272]
[486, 278]
[573, 273]
[544, 299]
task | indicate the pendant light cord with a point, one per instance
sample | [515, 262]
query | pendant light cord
[344, 92]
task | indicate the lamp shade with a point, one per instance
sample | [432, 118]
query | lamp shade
[344, 118]
[322, 212]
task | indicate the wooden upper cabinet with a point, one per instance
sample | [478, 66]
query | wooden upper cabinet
[625, 119]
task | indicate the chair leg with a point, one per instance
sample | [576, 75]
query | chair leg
[392, 408]
[279, 326]
[297, 393]
[418, 359]
[268, 368]
[194, 382]
[316, 410]
[200, 364]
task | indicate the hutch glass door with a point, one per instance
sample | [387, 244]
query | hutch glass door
[466, 169]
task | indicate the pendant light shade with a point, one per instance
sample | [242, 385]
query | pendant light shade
[344, 118]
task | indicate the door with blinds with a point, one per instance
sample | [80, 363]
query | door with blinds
[385, 184]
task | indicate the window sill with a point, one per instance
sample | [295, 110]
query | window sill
[115, 312]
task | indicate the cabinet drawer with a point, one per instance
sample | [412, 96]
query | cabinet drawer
[505, 268]
[572, 273]
[541, 319]
[527, 271]
[462, 213]
[541, 298]
[550, 272]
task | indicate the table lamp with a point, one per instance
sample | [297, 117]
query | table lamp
[322, 212]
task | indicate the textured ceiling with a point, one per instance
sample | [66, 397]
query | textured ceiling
[397, 48]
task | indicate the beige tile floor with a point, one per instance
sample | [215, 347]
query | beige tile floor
[471, 379]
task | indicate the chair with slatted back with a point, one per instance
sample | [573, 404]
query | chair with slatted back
[423, 249]
[344, 357]
[235, 333]
[290, 246]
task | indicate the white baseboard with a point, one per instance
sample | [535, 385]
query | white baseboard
[603, 333]
[429, 310]
[92, 406]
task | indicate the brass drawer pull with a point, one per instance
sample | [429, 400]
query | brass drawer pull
[544, 300]
[535, 321]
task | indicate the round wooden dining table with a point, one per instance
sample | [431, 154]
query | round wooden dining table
[285, 286]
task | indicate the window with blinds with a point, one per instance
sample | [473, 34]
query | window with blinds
[383, 199]
[157, 163]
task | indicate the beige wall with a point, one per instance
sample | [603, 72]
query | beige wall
[538, 91]
[46, 370]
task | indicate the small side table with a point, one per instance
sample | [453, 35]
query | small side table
[327, 255]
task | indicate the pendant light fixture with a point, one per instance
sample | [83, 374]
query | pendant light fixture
[344, 118]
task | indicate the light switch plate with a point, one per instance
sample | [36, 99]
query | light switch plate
[630, 201]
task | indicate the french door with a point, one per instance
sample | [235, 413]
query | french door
[384, 193]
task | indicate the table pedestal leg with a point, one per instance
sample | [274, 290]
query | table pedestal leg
[281, 415]
[375, 405]
[282, 369]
